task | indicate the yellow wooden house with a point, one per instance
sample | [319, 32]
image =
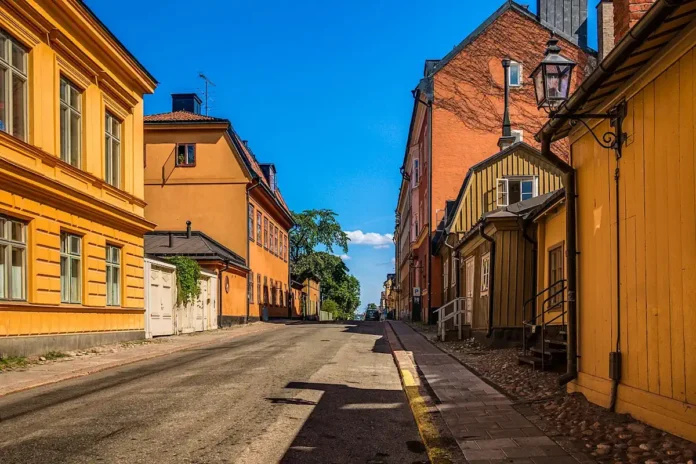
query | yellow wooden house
[485, 240]
[71, 180]
[635, 225]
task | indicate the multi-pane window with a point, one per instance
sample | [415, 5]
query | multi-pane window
[281, 245]
[70, 122]
[556, 274]
[485, 273]
[515, 189]
[265, 233]
[13, 87]
[258, 287]
[265, 289]
[250, 288]
[13, 249]
[275, 240]
[416, 172]
[285, 248]
[186, 154]
[258, 228]
[70, 268]
[251, 223]
[113, 276]
[515, 74]
[273, 293]
[112, 147]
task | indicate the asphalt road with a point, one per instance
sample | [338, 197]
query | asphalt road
[309, 393]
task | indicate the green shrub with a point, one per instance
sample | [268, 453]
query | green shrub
[188, 273]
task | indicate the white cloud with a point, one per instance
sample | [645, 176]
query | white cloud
[344, 257]
[358, 237]
[379, 247]
[393, 260]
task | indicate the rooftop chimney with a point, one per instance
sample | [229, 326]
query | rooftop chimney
[186, 102]
[507, 138]
[566, 17]
[626, 15]
[605, 28]
[188, 229]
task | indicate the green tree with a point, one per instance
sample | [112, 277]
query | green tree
[313, 228]
[331, 307]
[371, 306]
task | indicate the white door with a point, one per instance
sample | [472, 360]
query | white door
[469, 295]
[212, 304]
[199, 307]
[160, 301]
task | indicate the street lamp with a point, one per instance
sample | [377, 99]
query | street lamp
[552, 81]
[552, 77]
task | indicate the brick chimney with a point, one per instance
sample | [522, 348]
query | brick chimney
[605, 28]
[626, 15]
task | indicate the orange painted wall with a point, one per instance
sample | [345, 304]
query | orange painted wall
[234, 297]
[212, 194]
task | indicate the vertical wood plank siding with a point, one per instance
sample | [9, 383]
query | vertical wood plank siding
[657, 231]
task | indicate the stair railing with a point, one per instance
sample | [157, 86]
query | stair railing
[550, 303]
[456, 306]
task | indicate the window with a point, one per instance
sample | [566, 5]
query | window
[515, 189]
[265, 233]
[273, 293]
[280, 245]
[445, 274]
[265, 289]
[518, 134]
[13, 87]
[285, 256]
[113, 276]
[454, 271]
[276, 247]
[556, 274]
[258, 287]
[416, 172]
[13, 248]
[258, 228]
[515, 74]
[112, 138]
[186, 154]
[250, 287]
[251, 222]
[70, 268]
[485, 273]
[70, 122]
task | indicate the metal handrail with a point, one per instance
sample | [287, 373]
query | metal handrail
[541, 292]
[532, 322]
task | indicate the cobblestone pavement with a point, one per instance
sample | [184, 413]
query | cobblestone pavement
[484, 422]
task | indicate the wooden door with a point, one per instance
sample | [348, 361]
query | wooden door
[469, 289]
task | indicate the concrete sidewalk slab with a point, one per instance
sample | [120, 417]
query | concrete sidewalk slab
[484, 422]
[36, 375]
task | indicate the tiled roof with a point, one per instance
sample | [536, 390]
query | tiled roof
[181, 116]
[199, 246]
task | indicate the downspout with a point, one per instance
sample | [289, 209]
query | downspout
[220, 284]
[535, 251]
[491, 279]
[571, 258]
[457, 258]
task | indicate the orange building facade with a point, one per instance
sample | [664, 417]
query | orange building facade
[456, 123]
[198, 169]
[71, 189]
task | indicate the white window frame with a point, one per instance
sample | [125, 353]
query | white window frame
[13, 73]
[519, 65]
[66, 131]
[416, 172]
[185, 163]
[501, 192]
[503, 188]
[485, 273]
[112, 150]
[8, 245]
[518, 134]
[113, 268]
[68, 255]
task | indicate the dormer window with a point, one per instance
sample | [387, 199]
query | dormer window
[515, 189]
[186, 154]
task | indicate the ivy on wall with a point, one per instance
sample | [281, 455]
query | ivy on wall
[188, 273]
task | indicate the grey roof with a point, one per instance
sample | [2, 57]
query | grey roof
[198, 247]
[522, 208]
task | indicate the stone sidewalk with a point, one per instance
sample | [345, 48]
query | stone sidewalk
[36, 375]
[484, 422]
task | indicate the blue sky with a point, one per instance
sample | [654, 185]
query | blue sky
[321, 89]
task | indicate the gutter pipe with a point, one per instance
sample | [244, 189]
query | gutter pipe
[535, 251]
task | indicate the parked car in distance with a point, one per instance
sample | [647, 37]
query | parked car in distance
[372, 315]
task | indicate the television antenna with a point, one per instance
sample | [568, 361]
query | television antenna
[208, 83]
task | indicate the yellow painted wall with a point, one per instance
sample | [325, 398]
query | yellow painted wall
[212, 194]
[234, 298]
[657, 226]
[480, 195]
[551, 230]
[264, 262]
[313, 291]
[52, 196]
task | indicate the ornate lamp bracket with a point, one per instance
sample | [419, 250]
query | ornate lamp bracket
[613, 139]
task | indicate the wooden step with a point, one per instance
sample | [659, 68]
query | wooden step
[534, 361]
[556, 342]
[550, 352]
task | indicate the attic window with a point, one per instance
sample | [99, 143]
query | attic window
[515, 189]
[186, 154]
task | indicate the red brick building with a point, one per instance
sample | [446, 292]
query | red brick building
[456, 123]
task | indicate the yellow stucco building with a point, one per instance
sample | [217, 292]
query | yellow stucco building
[71, 180]
[198, 169]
